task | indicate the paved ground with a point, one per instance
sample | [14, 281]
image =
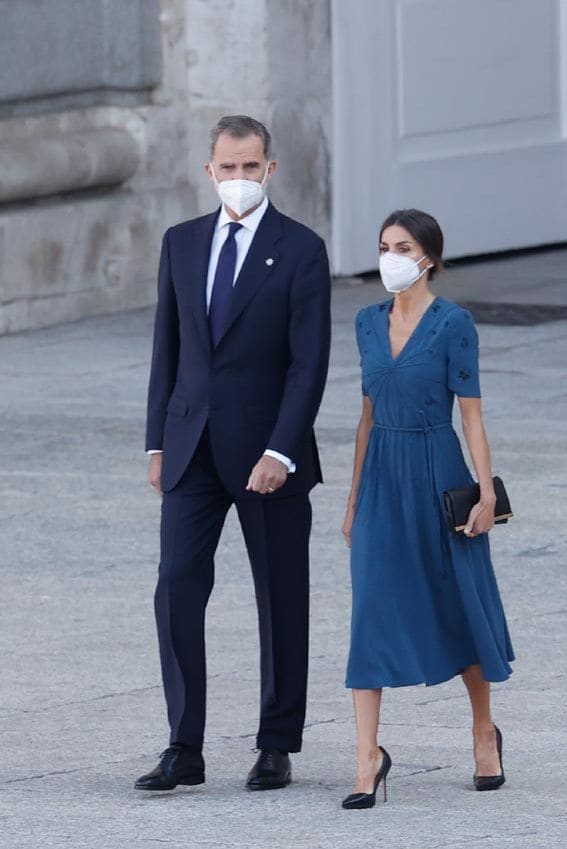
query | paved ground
[81, 705]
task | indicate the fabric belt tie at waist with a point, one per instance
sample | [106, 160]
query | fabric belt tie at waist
[423, 429]
[427, 430]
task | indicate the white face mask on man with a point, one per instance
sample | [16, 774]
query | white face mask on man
[241, 195]
[399, 272]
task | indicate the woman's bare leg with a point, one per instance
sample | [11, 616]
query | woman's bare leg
[368, 755]
[484, 735]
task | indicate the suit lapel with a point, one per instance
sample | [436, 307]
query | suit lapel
[198, 252]
[257, 266]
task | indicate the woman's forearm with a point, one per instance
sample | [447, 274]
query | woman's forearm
[362, 436]
[475, 435]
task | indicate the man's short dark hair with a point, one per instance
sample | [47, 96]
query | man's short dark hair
[239, 127]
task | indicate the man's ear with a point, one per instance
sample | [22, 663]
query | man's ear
[209, 171]
[272, 168]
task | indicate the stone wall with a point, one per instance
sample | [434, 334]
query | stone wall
[93, 157]
[270, 59]
[104, 122]
[64, 53]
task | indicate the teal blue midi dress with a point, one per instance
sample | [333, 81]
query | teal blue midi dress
[425, 602]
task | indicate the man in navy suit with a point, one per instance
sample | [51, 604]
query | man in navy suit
[240, 358]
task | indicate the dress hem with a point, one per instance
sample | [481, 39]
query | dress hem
[492, 680]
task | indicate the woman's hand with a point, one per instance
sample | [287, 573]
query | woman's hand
[349, 519]
[481, 517]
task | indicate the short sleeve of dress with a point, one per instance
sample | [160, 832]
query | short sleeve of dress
[359, 325]
[463, 376]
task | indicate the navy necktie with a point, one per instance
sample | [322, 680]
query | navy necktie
[223, 284]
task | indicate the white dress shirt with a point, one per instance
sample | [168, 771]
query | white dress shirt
[243, 239]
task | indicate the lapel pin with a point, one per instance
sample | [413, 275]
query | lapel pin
[269, 261]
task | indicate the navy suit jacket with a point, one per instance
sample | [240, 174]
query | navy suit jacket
[262, 385]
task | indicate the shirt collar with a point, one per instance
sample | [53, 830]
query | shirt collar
[251, 221]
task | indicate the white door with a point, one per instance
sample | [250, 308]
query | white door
[457, 107]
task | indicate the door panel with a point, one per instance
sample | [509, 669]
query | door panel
[454, 107]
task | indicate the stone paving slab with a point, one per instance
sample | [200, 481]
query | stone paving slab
[81, 708]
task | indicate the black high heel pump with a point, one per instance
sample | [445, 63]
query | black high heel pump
[357, 801]
[492, 782]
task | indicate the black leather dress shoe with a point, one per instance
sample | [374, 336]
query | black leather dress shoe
[177, 765]
[271, 771]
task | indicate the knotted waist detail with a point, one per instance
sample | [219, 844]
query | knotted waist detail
[427, 429]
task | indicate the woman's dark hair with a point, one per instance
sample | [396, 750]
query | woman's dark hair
[424, 229]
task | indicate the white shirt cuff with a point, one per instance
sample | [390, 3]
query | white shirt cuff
[291, 467]
[282, 458]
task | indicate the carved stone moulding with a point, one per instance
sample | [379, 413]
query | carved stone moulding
[49, 165]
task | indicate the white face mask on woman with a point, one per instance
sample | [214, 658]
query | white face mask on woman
[241, 195]
[399, 272]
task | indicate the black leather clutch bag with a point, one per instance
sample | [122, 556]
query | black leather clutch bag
[458, 503]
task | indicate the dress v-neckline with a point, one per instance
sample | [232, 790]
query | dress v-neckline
[412, 334]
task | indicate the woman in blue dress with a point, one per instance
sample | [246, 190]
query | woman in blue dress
[426, 605]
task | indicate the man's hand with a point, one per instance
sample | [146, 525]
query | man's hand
[154, 474]
[267, 475]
